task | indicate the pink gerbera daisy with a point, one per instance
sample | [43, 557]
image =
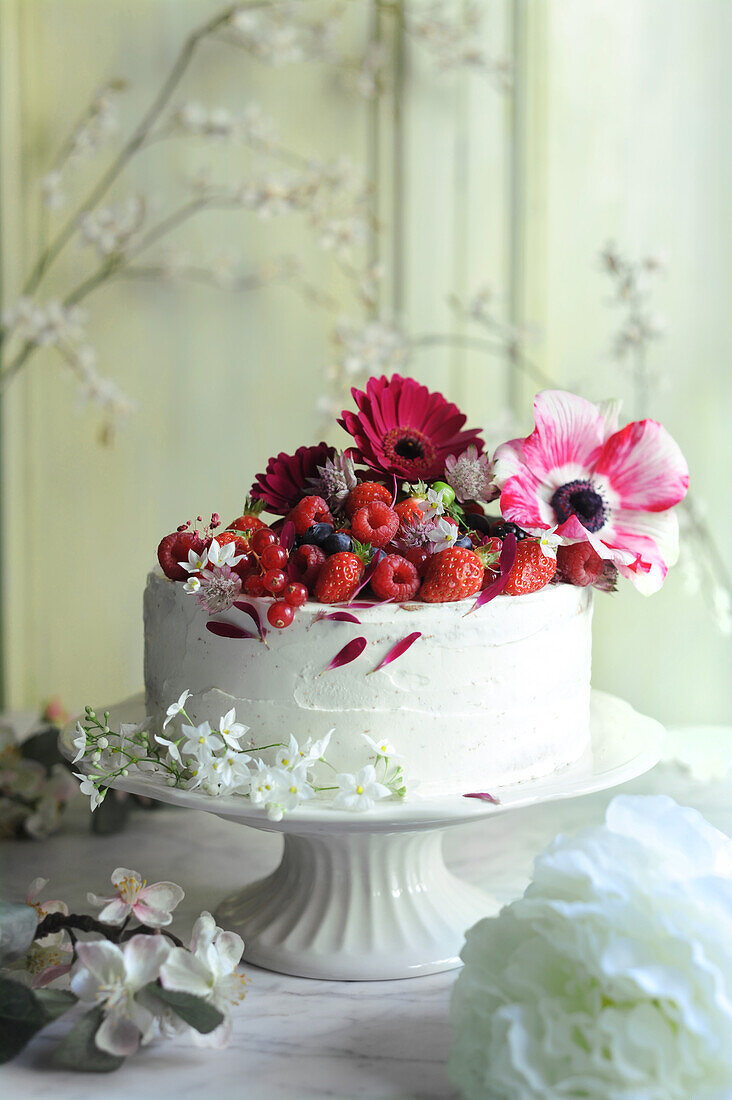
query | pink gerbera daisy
[401, 428]
[287, 477]
[580, 476]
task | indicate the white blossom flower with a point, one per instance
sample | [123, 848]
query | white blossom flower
[231, 730]
[176, 708]
[611, 977]
[45, 325]
[223, 555]
[233, 772]
[220, 588]
[192, 585]
[470, 475]
[548, 542]
[278, 789]
[359, 792]
[110, 229]
[152, 905]
[313, 751]
[374, 349]
[197, 560]
[208, 971]
[79, 743]
[442, 534]
[170, 747]
[433, 504]
[110, 976]
[201, 742]
[52, 190]
[88, 788]
[383, 747]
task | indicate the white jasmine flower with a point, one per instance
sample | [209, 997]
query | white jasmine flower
[196, 560]
[110, 976]
[291, 756]
[208, 971]
[383, 747]
[176, 708]
[231, 730]
[442, 535]
[201, 742]
[549, 541]
[192, 585]
[220, 588]
[313, 751]
[79, 743]
[87, 787]
[612, 976]
[233, 771]
[470, 475]
[433, 503]
[359, 792]
[279, 789]
[171, 748]
[152, 905]
[223, 555]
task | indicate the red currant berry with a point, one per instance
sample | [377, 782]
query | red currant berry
[274, 557]
[280, 614]
[274, 580]
[253, 585]
[263, 537]
[295, 594]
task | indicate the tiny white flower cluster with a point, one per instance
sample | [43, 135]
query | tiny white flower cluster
[45, 325]
[214, 761]
[278, 35]
[371, 349]
[219, 123]
[217, 587]
[450, 32]
[109, 229]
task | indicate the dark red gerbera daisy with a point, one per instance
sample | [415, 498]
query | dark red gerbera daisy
[401, 428]
[286, 478]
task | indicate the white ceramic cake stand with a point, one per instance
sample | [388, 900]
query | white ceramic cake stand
[368, 896]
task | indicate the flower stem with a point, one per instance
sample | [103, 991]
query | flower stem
[82, 922]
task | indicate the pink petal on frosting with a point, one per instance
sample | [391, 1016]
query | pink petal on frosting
[350, 652]
[569, 430]
[644, 466]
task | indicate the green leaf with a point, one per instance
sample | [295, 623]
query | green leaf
[192, 1010]
[21, 1016]
[78, 1050]
[18, 925]
[55, 1002]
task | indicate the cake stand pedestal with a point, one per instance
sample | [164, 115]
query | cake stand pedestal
[368, 896]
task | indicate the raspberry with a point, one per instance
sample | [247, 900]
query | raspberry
[173, 549]
[579, 564]
[395, 578]
[452, 574]
[531, 570]
[375, 523]
[308, 511]
[305, 564]
[364, 494]
[339, 577]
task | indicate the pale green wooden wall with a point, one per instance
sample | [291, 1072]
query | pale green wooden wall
[617, 129]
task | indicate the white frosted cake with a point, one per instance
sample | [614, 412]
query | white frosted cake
[492, 698]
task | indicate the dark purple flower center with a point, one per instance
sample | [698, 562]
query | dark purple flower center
[409, 450]
[580, 499]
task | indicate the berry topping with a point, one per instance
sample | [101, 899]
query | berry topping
[263, 537]
[448, 493]
[338, 578]
[308, 511]
[280, 614]
[173, 549]
[409, 513]
[295, 594]
[305, 564]
[253, 585]
[317, 534]
[273, 557]
[503, 528]
[579, 564]
[375, 523]
[419, 557]
[531, 570]
[452, 574]
[250, 519]
[338, 542]
[274, 580]
[465, 541]
[395, 578]
[364, 494]
[483, 523]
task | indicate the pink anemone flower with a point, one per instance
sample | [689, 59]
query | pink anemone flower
[578, 475]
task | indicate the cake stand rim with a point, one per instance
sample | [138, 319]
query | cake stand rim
[585, 776]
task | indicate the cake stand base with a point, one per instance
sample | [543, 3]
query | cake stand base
[368, 896]
[357, 906]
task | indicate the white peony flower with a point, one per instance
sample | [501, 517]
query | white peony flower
[359, 792]
[611, 978]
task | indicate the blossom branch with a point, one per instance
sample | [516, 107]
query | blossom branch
[82, 922]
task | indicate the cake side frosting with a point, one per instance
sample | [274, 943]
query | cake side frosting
[478, 701]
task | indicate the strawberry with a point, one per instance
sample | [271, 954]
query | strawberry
[531, 570]
[364, 494]
[308, 511]
[409, 513]
[339, 577]
[579, 564]
[395, 578]
[375, 523]
[249, 520]
[305, 564]
[248, 563]
[452, 574]
[489, 553]
[173, 549]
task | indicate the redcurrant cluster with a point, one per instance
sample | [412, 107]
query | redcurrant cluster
[266, 575]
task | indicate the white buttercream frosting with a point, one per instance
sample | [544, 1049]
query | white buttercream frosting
[477, 702]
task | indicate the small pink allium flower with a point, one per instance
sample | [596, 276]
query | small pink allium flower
[152, 905]
[577, 473]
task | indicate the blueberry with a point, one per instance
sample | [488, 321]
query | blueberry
[502, 528]
[317, 534]
[337, 542]
[465, 542]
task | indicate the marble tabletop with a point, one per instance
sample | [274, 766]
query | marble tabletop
[296, 1038]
